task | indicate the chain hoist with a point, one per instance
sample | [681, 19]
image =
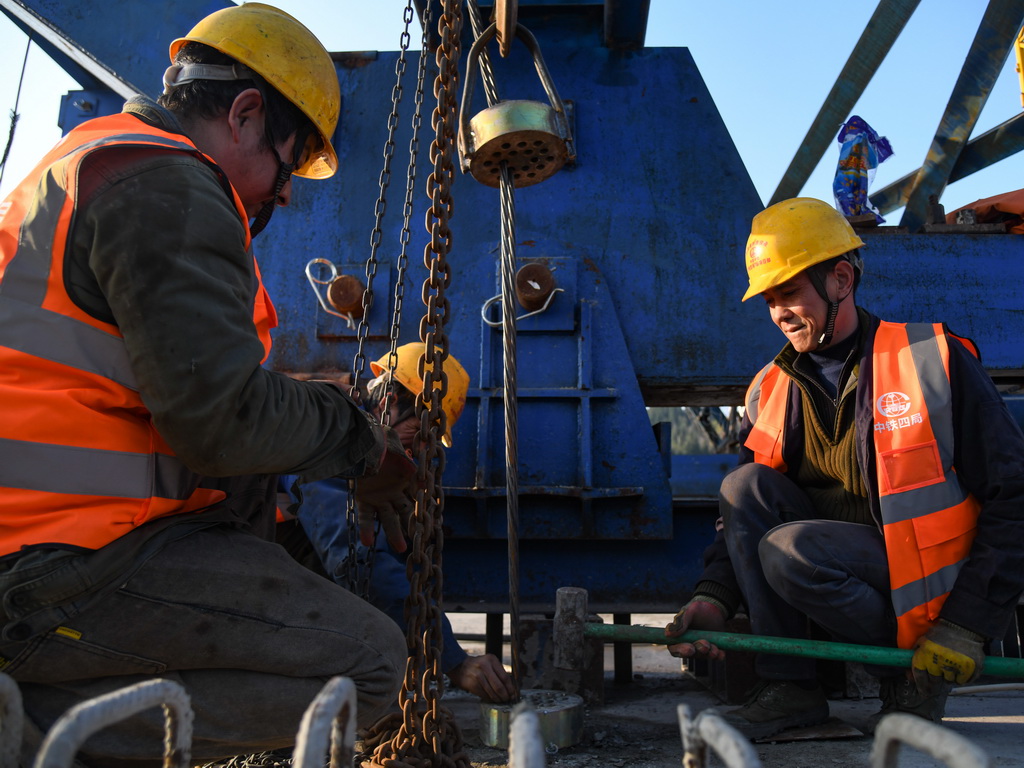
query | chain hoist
[426, 734]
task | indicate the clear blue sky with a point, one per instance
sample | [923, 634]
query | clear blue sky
[768, 66]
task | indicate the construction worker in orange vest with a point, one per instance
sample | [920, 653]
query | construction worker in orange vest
[321, 514]
[140, 437]
[879, 494]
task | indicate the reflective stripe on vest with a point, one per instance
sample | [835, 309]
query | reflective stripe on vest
[80, 461]
[928, 518]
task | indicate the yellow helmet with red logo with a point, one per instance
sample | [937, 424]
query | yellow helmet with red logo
[407, 374]
[788, 237]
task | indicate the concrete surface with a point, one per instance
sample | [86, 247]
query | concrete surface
[637, 727]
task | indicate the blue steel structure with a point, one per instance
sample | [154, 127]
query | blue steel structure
[644, 233]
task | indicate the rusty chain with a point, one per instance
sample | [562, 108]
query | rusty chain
[427, 734]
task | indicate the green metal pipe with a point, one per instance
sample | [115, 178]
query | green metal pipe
[816, 649]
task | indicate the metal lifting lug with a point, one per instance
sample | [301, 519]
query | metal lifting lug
[344, 292]
[533, 138]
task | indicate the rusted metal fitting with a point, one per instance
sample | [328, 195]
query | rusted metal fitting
[345, 294]
[534, 284]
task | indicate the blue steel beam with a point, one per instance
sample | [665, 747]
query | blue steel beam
[883, 28]
[625, 23]
[996, 33]
[992, 146]
[106, 45]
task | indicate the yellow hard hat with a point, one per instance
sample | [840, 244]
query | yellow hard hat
[289, 57]
[407, 374]
[788, 237]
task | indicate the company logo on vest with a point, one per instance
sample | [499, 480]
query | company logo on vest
[893, 404]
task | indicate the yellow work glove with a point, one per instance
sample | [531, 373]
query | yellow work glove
[388, 495]
[947, 653]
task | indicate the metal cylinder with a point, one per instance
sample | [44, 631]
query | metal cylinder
[534, 283]
[559, 715]
[345, 294]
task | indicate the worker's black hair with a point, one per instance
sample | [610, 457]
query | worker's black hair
[209, 99]
[405, 400]
[825, 267]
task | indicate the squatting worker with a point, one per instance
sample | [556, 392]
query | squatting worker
[321, 516]
[880, 491]
[140, 438]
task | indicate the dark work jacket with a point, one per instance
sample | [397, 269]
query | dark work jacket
[988, 457]
[157, 248]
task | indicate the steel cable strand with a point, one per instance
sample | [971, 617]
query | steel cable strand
[508, 333]
[486, 70]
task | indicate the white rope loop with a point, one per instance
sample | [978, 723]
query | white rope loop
[80, 722]
[329, 721]
[525, 745]
[951, 748]
[12, 722]
[709, 730]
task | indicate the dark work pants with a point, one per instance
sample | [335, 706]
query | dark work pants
[792, 567]
[251, 635]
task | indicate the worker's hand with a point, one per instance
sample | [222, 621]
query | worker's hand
[947, 653]
[389, 494]
[699, 613]
[483, 676]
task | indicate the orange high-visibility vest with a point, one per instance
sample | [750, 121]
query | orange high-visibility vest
[928, 518]
[80, 461]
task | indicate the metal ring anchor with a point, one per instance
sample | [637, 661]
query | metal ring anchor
[314, 282]
[495, 299]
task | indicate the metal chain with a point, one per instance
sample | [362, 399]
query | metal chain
[428, 734]
[357, 579]
[359, 362]
[410, 191]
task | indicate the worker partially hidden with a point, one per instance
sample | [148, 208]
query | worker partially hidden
[140, 436]
[320, 513]
[879, 494]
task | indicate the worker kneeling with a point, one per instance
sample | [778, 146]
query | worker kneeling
[391, 397]
[879, 494]
[140, 435]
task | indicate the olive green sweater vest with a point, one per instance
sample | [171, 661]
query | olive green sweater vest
[828, 471]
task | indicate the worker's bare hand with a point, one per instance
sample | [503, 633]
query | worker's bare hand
[389, 495]
[696, 614]
[483, 676]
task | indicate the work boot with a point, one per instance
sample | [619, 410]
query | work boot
[777, 705]
[900, 694]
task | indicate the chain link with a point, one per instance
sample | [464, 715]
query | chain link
[428, 734]
[356, 575]
[410, 191]
[359, 362]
